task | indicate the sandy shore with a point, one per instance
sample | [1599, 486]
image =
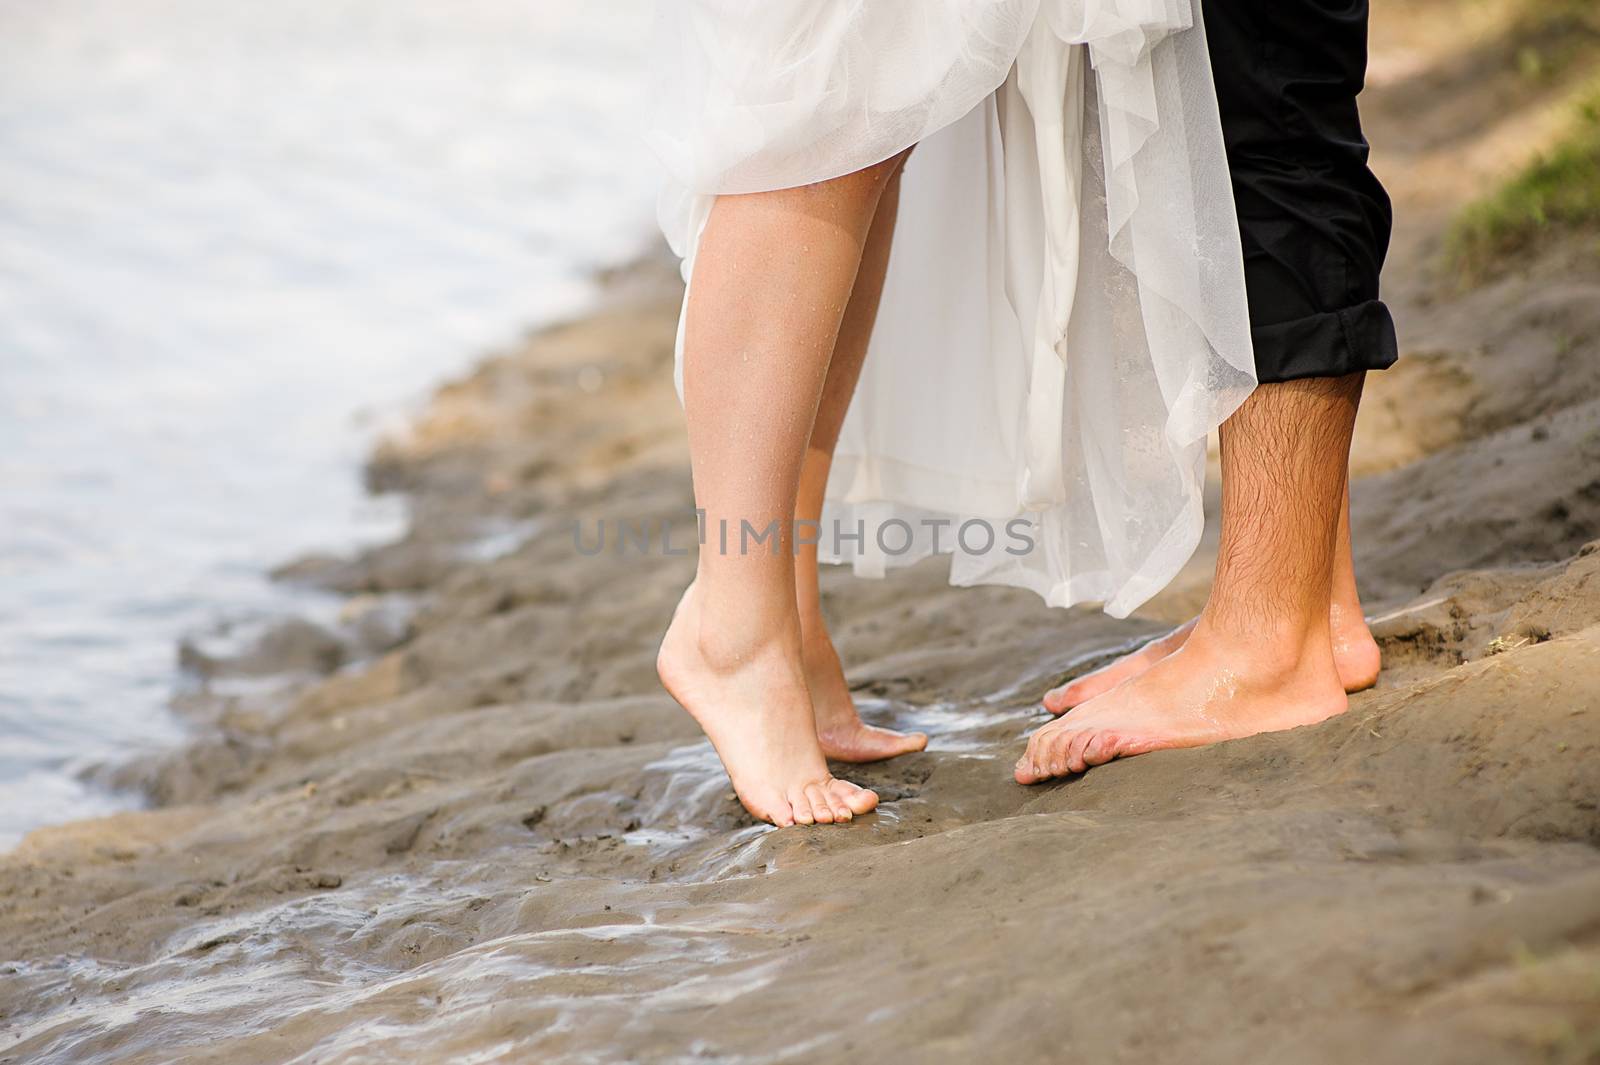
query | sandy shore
[468, 825]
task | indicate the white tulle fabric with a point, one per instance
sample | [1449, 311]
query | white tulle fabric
[1064, 318]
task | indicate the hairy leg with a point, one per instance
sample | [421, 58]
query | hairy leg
[839, 728]
[1260, 657]
[1355, 652]
[770, 284]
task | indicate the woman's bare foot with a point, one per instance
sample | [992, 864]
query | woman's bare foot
[1355, 655]
[749, 695]
[840, 730]
[1208, 690]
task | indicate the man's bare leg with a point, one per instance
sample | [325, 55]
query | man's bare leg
[840, 730]
[771, 283]
[1355, 652]
[1260, 658]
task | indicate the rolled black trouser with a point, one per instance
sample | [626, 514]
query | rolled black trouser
[1313, 220]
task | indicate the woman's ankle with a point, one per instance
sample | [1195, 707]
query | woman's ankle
[731, 635]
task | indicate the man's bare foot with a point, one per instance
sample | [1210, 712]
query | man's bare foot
[1355, 655]
[1060, 699]
[840, 730]
[750, 697]
[1206, 691]
[1355, 652]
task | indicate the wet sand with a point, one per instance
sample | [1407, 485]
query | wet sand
[468, 825]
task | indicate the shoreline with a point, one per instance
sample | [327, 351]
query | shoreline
[501, 822]
[477, 826]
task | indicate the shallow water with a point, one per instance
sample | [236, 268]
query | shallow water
[396, 966]
[236, 240]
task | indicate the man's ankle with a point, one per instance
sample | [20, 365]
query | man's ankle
[1347, 618]
[1269, 646]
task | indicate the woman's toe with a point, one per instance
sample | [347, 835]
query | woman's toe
[820, 808]
[779, 813]
[857, 800]
[841, 809]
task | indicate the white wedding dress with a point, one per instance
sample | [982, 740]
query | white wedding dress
[1064, 317]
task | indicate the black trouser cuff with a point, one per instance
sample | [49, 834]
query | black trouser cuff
[1330, 344]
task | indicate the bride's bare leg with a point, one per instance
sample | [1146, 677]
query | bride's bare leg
[839, 728]
[770, 286]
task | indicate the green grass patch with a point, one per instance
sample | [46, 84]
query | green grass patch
[1559, 191]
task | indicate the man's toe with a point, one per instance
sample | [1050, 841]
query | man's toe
[1101, 749]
